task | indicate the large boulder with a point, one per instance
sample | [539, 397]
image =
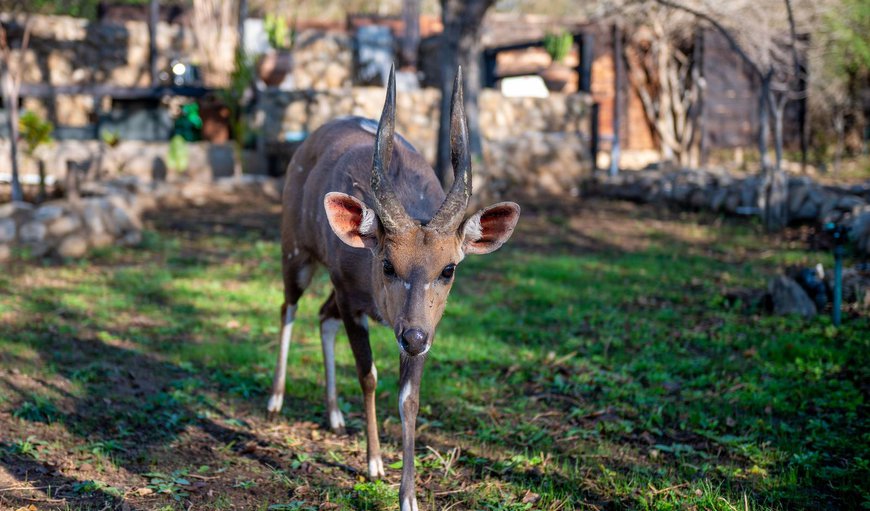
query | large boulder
[790, 298]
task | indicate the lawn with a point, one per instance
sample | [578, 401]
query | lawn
[598, 361]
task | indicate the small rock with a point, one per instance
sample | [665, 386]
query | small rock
[132, 238]
[847, 202]
[14, 209]
[48, 213]
[790, 298]
[64, 225]
[7, 230]
[73, 245]
[32, 232]
[93, 218]
[808, 211]
[101, 239]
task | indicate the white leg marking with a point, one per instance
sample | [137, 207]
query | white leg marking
[275, 402]
[376, 467]
[363, 321]
[409, 504]
[426, 287]
[328, 331]
[277, 398]
[403, 395]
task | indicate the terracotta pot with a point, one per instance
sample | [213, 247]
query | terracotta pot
[215, 120]
[273, 66]
[556, 77]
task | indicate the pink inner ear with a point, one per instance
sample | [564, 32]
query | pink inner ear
[345, 215]
[496, 226]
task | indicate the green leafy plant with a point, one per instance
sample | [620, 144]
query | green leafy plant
[37, 409]
[375, 495]
[35, 131]
[111, 138]
[178, 156]
[93, 486]
[281, 36]
[28, 447]
[233, 97]
[558, 45]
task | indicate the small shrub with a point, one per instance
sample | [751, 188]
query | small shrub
[37, 409]
[558, 45]
[178, 157]
[375, 495]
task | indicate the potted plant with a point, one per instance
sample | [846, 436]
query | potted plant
[557, 75]
[235, 98]
[274, 65]
[36, 133]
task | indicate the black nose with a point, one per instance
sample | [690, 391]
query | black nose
[414, 341]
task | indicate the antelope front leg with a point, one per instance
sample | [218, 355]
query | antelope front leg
[410, 372]
[358, 332]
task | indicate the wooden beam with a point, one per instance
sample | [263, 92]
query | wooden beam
[586, 45]
[153, 20]
[411, 38]
[44, 90]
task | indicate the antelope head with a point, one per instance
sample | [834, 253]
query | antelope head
[414, 263]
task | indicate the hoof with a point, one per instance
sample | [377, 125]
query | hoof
[336, 422]
[273, 410]
[376, 468]
[409, 504]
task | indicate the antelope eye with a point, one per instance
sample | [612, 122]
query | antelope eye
[447, 272]
[389, 270]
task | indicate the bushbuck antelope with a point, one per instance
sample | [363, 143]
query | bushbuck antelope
[391, 240]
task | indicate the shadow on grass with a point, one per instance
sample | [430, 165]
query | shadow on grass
[643, 360]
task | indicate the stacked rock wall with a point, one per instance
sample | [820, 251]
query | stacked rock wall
[533, 146]
[71, 228]
[808, 201]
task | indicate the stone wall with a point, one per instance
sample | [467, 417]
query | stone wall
[108, 213]
[70, 228]
[143, 160]
[534, 146]
[74, 51]
[322, 60]
[808, 201]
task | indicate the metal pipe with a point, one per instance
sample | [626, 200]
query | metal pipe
[839, 250]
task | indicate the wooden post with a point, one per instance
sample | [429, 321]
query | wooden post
[243, 14]
[617, 110]
[411, 37]
[153, 20]
[593, 134]
[489, 66]
[585, 41]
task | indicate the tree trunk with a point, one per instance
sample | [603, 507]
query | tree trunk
[411, 37]
[778, 112]
[774, 182]
[153, 20]
[42, 195]
[10, 96]
[764, 121]
[460, 45]
[617, 110]
[773, 197]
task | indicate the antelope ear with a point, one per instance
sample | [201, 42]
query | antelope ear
[489, 228]
[351, 220]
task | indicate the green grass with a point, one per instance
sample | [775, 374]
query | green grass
[610, 378]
